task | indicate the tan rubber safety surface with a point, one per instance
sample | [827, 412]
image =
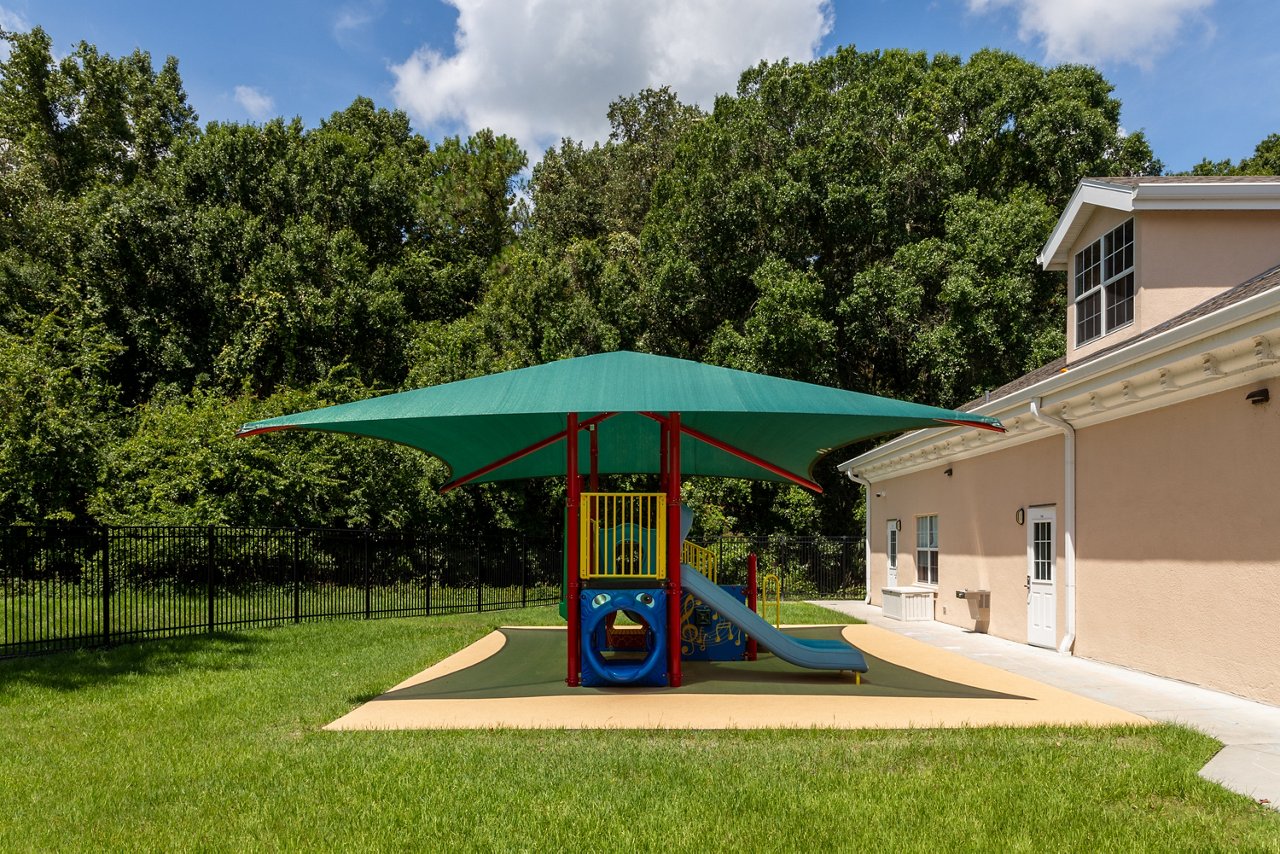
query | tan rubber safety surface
[920, 686]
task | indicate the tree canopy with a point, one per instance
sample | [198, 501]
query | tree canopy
[868, 220]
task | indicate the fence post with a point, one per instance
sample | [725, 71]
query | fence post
[211, 561]
[480, 578]
[297, 593]
[106, 585]
[524, 571]
[786, 566]
[428, 570]
[368, 595]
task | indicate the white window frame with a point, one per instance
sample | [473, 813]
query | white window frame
[1104, 271]
[893, 543]
[927, 550]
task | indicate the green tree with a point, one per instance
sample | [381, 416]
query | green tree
[57, 418]
[89, 117]
[1265, 161]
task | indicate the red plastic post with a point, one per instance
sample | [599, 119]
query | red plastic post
[572, 557]
[752, 595]
[674, 589]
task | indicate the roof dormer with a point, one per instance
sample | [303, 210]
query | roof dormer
[1139, 251]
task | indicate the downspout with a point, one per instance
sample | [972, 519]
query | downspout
[866, 531]
[1069, 518]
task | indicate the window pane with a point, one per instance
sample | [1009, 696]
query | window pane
[1120, 302]
[1042, 551]
[1088, 268]
[1118, 247]
[1088, 318]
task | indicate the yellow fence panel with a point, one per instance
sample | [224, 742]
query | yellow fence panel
[623, 535]
[701, 559]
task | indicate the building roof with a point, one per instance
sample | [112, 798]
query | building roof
[1222, 343]
[1133, 181]
[1171, 192]
[1258, 284]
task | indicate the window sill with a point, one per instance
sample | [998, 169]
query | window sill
[1102, 337]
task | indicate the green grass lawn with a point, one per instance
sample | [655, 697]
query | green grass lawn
[214, 742]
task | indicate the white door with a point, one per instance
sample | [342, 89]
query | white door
[1042, 604]
[892, 551]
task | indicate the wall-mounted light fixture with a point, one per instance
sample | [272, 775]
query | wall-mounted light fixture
[1020, 516]
[897, 524]
[948, 471]
[1257, 396]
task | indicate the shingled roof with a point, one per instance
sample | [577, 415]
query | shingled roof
[1261, 283]
[1137, 180]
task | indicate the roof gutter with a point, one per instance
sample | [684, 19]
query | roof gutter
[1069, 518]
[866, 532]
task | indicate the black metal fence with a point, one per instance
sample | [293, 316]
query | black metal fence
[808, 567]
[66, 588]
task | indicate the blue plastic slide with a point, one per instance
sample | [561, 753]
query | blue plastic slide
[802, 652]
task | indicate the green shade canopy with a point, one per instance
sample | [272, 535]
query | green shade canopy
[471, 424]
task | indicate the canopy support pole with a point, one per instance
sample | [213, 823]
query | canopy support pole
[674, 590]
[520, 454]
[572, 556]
[739, 453]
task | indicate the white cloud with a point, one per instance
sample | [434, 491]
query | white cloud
[540, 70]
[353, 18]
[1102, 31]
[256, 103]
[10, 22]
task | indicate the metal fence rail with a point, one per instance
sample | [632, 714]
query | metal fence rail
[68, 588]
[809, 567]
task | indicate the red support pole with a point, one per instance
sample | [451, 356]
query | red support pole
[752, 594]
[572, 557]
[674, 589]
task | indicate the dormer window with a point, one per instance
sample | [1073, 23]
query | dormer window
[1104, 284]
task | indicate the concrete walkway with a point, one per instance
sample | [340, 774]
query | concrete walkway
[1249, 762]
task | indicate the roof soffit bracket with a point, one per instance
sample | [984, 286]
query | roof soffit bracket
[1262, 351]
[1209, 366]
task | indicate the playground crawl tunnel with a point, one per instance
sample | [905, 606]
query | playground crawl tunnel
[630, 654]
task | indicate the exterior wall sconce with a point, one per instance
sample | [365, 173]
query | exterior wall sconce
[1258, 396]
[897, 524]
[948, 471]
[1020, 516]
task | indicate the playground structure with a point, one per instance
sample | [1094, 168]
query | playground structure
[623, 574]
[626, 555]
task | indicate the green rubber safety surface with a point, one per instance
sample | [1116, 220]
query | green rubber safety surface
[532, 664]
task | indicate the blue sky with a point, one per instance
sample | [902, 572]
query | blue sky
[1198, 76]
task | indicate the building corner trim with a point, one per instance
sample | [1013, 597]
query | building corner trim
[866, 531]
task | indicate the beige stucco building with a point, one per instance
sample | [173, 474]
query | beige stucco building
[1131, 514]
